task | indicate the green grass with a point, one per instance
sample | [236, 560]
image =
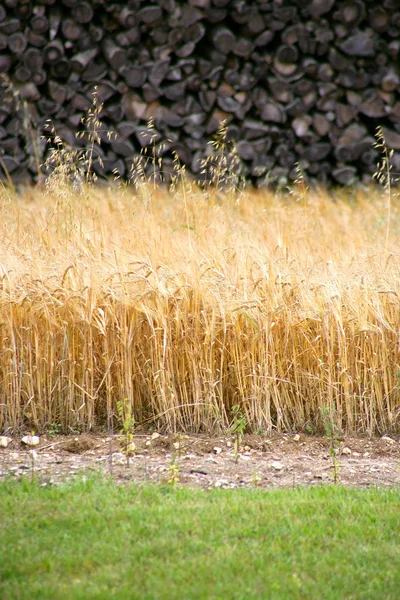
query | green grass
[96, 539]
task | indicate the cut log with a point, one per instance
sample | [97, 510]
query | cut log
[273, 113]
[123, 147]
[17, 43]
[379, 19]
[33, 59]
[220, 3]
[22, 74]
[134, 76]
[207, 99]
[105, 91]
[96, 33]
[255, 23]
[82, 12]
[174, 92]
[262, 145]
[353, 79]
[394, 114]
[8, 164]
[245, 150]
[370, 157]
[351, 13]
[317, 152]
[373, 107]
[390, 81]
[115, 112]
[14, 127]
[284, 69]
[80, 61]
[23, 10]
[81, 103]
[150, 93]
[352, 134]
[253, 129]
[282, 91]
[114, 55]
[28, 91]
[10, 26]
[194, 33]
[170, 118]
[392, 138]
[320, 7]
[292, 34]
[287, 54]
[39, 24]
[295, 108]
[54, 23]
[204, 4]
[189, 16]
[61, 70]
[338, 61]
[53, 52]
[223, 40]
[216, 15]
[264, 38]
[344, 175]
[36, 40]
[359, 44]
[227, 104]
[128, 38]
[59, 93]
[284, 13]
[301, 125]
[47, 107]
[95, 71]
[127, 17]
[39, 77]
[149, 14]
[345, 114]
[71, 30]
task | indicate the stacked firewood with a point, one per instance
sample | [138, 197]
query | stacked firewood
[302, 82]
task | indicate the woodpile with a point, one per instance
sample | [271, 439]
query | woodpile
[306, 81]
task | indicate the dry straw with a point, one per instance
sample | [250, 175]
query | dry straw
[184, 304]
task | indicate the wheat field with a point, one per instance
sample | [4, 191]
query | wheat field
[185, 304]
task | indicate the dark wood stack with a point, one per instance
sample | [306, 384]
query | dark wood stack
[305, 81]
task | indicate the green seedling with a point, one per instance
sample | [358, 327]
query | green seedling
[54, 429]
[125, 413]
[332, 433]
[173, 473]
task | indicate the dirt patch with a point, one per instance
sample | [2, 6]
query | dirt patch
[277, 461]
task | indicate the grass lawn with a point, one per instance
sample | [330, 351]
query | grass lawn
[94, 539]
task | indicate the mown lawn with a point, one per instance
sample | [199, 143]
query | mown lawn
[95, 539]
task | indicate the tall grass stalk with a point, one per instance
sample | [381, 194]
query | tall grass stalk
[111, 301]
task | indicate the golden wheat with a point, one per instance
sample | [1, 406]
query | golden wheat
[187, 304]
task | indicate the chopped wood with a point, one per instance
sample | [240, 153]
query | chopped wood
[308, 80]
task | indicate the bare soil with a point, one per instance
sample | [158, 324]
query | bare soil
[275, 461]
